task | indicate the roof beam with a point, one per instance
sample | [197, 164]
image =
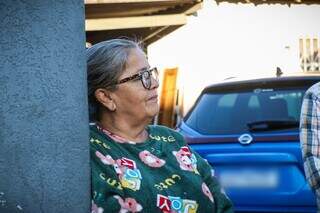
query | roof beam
[135, 22]
[193, 9]
[154, 33]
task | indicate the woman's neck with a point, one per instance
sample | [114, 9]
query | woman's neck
[135, 132]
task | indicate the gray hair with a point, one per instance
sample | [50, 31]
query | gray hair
[106, 61]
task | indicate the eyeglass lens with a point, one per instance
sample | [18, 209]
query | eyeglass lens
[146, 77]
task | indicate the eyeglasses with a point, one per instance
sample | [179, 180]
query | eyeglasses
[145, 77]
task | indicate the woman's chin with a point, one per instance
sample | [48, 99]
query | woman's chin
[153, 110]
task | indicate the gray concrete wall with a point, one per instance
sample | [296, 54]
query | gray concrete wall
[44, 154]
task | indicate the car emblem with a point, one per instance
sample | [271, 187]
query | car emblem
[245, 139]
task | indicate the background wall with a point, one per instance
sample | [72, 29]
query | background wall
[229, 40]
[44, 153]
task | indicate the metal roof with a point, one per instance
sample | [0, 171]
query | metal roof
[146, 20]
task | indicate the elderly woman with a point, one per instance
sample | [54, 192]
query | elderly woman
[137, 167]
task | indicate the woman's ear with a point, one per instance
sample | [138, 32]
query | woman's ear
[104, 97]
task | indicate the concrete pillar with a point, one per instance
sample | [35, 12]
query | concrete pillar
[44, 150]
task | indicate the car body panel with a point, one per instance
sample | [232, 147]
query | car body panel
[265, 175]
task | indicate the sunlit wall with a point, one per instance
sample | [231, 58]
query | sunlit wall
[229, 40]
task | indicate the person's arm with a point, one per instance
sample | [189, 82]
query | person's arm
[106, 189]
[222, 202]
[105, 184]
[310, 139]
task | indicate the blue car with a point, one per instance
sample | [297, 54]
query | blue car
[249, 132]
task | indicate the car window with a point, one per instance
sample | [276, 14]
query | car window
[227, 100]
[233, 113]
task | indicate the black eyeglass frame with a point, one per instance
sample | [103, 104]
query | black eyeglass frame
[139, 76]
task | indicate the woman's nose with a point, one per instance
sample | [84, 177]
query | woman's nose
[154, 82]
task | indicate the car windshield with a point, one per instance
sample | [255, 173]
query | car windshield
[255, 110]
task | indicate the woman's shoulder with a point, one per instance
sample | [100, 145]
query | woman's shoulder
[93, 130]
[97, 140]
[92, 126]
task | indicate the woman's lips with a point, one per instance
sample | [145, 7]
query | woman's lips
[153, 98]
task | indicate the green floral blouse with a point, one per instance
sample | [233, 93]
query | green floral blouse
[161, 174]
